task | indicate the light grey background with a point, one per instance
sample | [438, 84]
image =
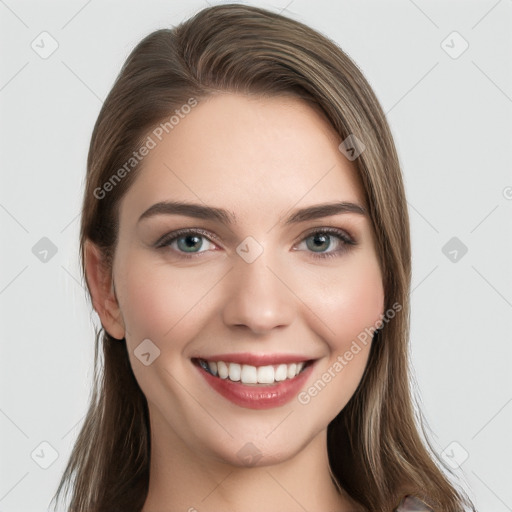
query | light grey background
[452, 122]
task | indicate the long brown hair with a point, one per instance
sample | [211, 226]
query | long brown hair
[377, 446]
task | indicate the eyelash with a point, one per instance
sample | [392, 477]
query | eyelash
[169, 238]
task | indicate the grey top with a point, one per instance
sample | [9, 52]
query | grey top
[413, 504]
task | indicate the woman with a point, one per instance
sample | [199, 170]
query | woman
[245, 242]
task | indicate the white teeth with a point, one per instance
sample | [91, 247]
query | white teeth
[265, 374]
[223, 369]
[234, 372]
[281, 372]
[213, 367]
[292, 370]
[248, 374]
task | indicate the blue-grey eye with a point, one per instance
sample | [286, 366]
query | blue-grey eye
[189, 243]
[326, 242]
[318, 242]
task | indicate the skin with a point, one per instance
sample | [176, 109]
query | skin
[260, 158]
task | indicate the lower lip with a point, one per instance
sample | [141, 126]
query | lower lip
[258, 396]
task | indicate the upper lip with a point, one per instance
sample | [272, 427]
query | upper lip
[257, 359]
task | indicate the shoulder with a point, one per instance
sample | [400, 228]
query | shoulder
[413, 504]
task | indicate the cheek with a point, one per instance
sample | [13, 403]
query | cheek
[347, 301]
[346, 307]
[168, 307]
[361, 304]
[157, 302]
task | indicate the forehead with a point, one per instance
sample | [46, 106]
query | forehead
[254, 155]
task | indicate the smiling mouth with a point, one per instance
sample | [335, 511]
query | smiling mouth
[252, 375]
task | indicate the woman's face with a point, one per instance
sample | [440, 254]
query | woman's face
[270, 280]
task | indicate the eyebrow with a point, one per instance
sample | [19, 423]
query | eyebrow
[227, 217]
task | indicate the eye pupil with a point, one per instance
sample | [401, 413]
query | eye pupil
[191, 242]
[320, 241]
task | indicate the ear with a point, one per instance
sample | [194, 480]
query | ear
[101, 286]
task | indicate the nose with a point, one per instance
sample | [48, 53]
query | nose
[259, 298]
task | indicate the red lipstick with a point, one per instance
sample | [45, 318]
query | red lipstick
[258, 396]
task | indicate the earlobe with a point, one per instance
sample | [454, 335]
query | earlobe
[104, 300]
